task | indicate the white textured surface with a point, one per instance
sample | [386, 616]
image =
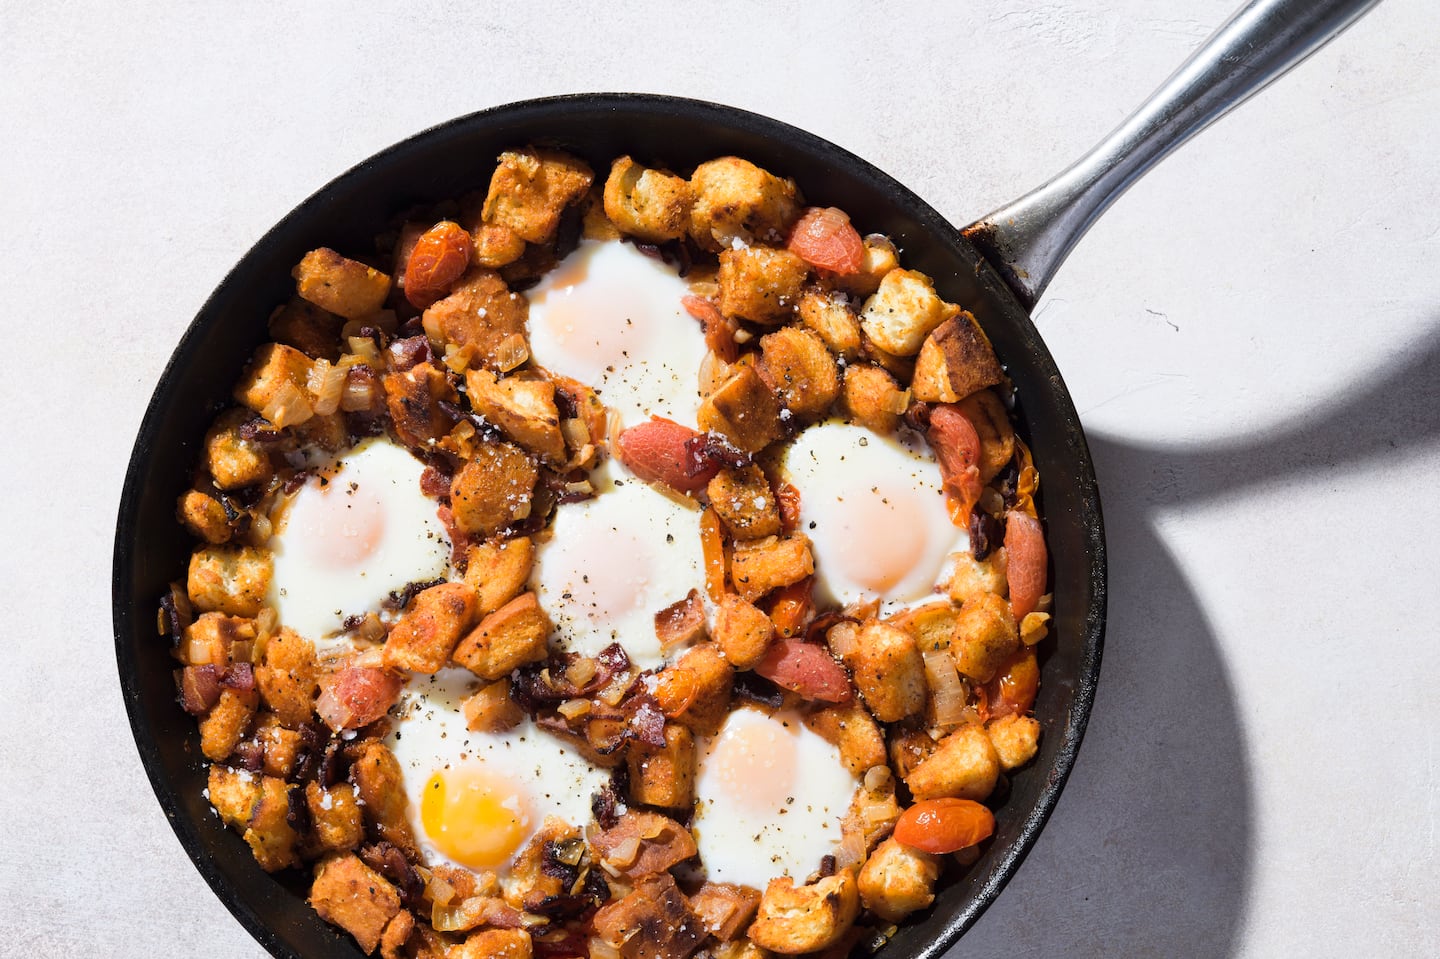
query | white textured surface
[1252, 336]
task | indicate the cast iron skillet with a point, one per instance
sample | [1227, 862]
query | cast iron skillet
[997, 268]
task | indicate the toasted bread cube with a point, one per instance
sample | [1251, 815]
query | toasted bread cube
[797, 364]
[328, 432]
[229, 579]
[271, 838]
[337, 824]
[1015, 738]
[287, 677]
[493, 490]
[725, 909]
[695, 689]
[829, 316]
[308, 328]
[964, 765]
[872, 400]
[497, 571]
[664, 776]
[879, 259]
[652, 922]
[903, 312]
[430, 629]
[742, 631]
[273, 384]
[481, 315]
[758, 566]
[888, 671]
[210, 637]
[494, 246]
[508, 638]
[737, 200]
[955, 360]
[760, 283]
[745, 409]
[281, 745]
[523, 407]
[491, 710]
[204, 516]
[898, 880]
[376, 774]
[413, 398]
[873, 812]
[853, 732]
[985, 637]
[397, 933]
[986, 412]
[971, 577]
[531, 188]
[349, 894]
[231, 460]
[233, 793]
[649, 204]
[744, 501]
[662, 844]
[342, 286]
[932, 625]
[494, 944]
[794, 919]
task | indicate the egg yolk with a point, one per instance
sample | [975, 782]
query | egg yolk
[474, 817]
[756, 763]
[340, 525]
[885, 530]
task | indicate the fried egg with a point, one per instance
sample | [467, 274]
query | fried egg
[770, 797]
[612, 562]
[874, 509]
[610, 317]
[359, 528]
[476, 799]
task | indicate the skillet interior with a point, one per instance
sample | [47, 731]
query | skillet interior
[151, 549]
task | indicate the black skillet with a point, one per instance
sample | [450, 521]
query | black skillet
[997, 268]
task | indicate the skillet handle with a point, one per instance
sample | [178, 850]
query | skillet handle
[1028, 239]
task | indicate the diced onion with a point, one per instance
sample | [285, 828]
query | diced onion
[288, 407]
[198, 652]
[576, 433]
[624, 855]
[359, 393]
[581, 671]
[326, 384]
[1034, 627]
[896, 402]
[842, 637]
[600, 949]
[511, 352]
[573, 708]
[852, 849]
[364, 349]
[946, 688]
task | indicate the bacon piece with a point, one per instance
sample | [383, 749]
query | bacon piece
[199, 688]
[357, 696]
[807, 669]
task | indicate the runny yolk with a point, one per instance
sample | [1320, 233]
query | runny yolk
[886, 532]
[340, 524]
[756, 765]
[473, 816]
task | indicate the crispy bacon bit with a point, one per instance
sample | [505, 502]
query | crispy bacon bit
[614, 658]
[408, 353]
[199, 688]
[357, 696]
[787, 497]
[331, 764]
[294, 481]
[604, 804]
[314, 738]
[298, 810]
[259, 430]
[400, 598]
[681, 623]
[434, 483]
[986, 533]
[663, 451]
[460, 540]
[248, 755]
[390, 862]
[647, 721]
[716, 448]
[239, 677]
[807, 669]
[175, 613]
[572, 945]
[719, 329]
[642, 843]
[758, 689]
[827, 866]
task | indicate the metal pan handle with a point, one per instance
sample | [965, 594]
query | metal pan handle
[1028, 239]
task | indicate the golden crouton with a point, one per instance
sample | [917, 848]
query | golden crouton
[758, 566]
[493, 490]
[737, 200]
[986, 412]
[494, 944]
[664, 776]
[413, 398]
[931, 624]
[888, 671]
[508, 638]
[829, 316]
[879, 259]
[269, 834]
[851, 730]
[725, 909]
[204, 516]
[872, 400]
[744, 409]
[760, 283]
[232, 461]
[743, 499]
[287, 679]
[797, 364]
[397, 933]
[274, 385]
[964, 765]
[646, 203]
[955, 361]
[794, 919]
[491, 710]
[233, 793]
[229, 579]
[741, 631]
[971, 577]
[695, 689]
[308, 328]
[897, 880]
[1015, 738]
[376, 774]
[985, 637]
[481, 315]
[497, 571]
[523, 407]
[349, 894]
[281, 746]
[653, 922]
[429, 630]
[531, 188]
[494, 246]
[903, 311]
[328, 432]
[337, 824]
[873, 811]
[345, 287]
[210, 637]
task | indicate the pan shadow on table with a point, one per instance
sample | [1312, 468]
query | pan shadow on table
[1148, 852]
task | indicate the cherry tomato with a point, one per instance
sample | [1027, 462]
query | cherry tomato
[655, 451]
[792, 607]
[1012, 691]
[957, 450]
[807, 669]
[719, 329]
[938, 826]
[1025, 561]
[788, 499]
[824, 238]
[440, 257]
